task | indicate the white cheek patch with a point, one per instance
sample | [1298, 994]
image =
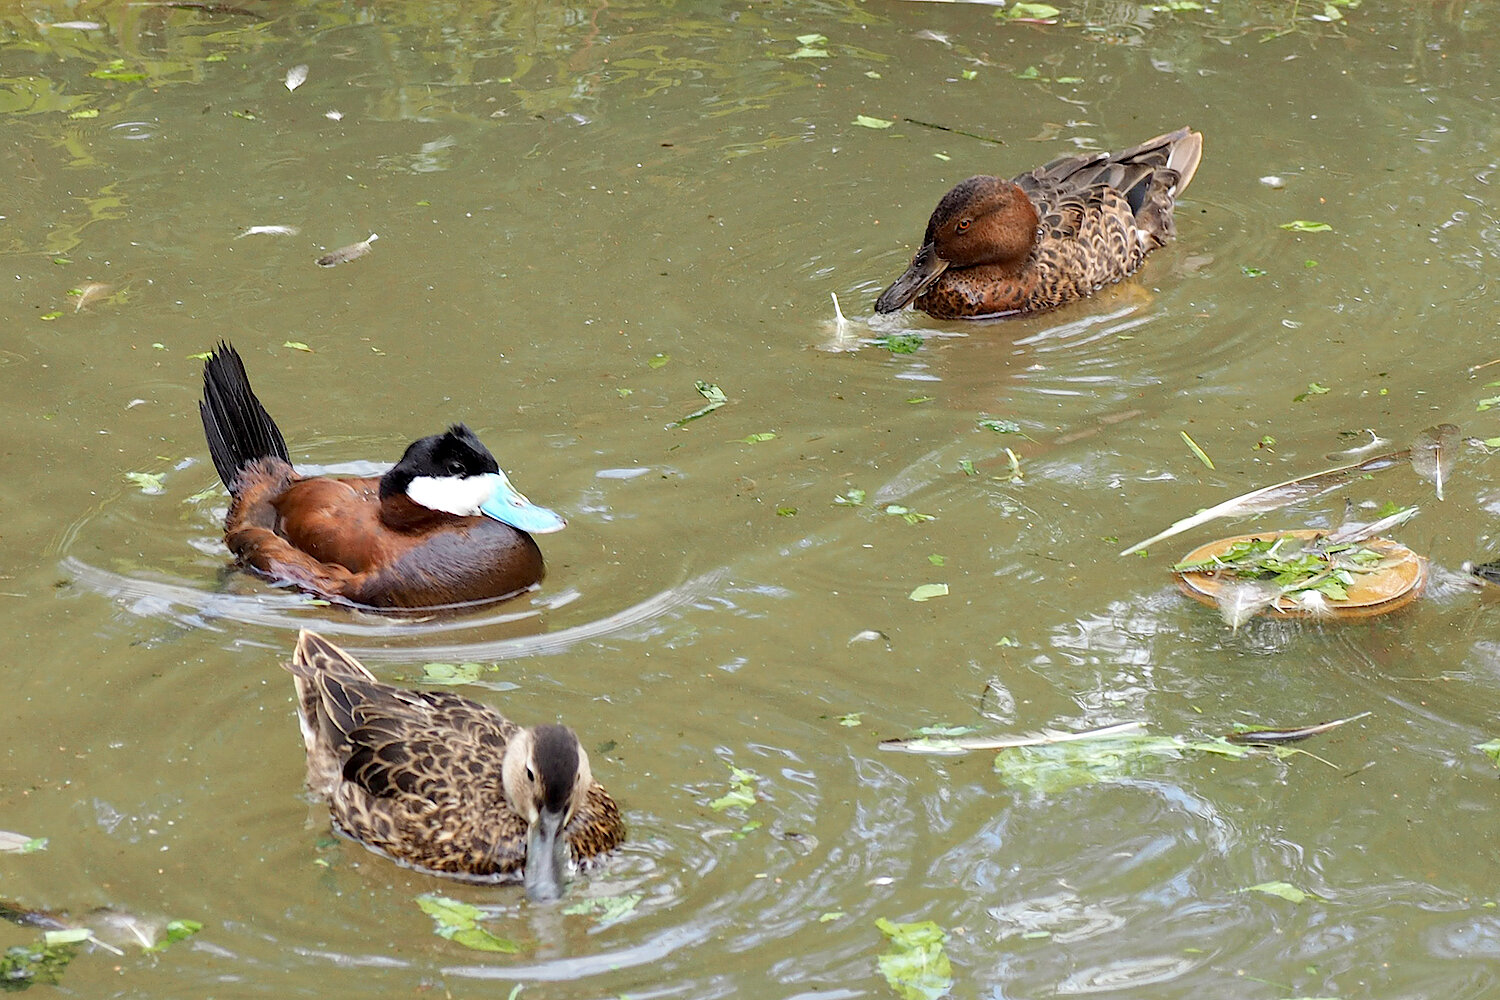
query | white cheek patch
[452, 494]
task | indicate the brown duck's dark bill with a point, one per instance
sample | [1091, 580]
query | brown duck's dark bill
[546, 859]
[924, 270]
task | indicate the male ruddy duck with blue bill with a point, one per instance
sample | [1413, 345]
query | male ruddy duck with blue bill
[444, 526]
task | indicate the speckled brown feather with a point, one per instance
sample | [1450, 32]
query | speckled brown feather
[416, 775]
[1097, 216]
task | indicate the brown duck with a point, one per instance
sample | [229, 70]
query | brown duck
[446, 785]
[1060, 232]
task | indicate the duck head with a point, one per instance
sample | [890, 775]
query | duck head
[546, 776]
[455, 473]
[983, 220]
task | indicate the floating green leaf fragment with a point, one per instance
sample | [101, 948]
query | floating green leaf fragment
[943, 156]
[1491, 749]
[967, 467]
[851, 498]
[758, 438]
[1309, 262]
[1306, 226]
[297, 345]
[811, 47]
[85, 113]
[928, 591]
[176, 930]
[850, 719]
[913, 401]
[1199, 452]
[831, 915]
[50, 316]
[1283, 890]
[68, 935]
[708, 391]
[1117, 757]
[451, 673]
[1252, 272]
[1008, 640]
[936, 559]
[872, 74]
[786, 511]
[1029, 73]
[1038, 11]
[657, 360]
[459, 922]
[916, 967]
[741, 790]
[869, 122]
[941, 731]
[1488, 404]
[746, 831]
[149, 482]
[622, 392]
[608, 908]
[115, 70]
[20, 843]
[901, 343]
[1067, 79]
[812, 39]
[248, 116]
[1313, 389]
[909, 515]
[200, 356]
[969, 74]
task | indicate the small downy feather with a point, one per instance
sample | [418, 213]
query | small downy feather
[1241, 600]
[296, 76]
[1432, 454]
[343, 255]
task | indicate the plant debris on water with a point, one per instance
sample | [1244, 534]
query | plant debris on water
[741, 790]
[608, 908]
[1282, 890]
[916, 967]
[1292, 564]
[19, 843]
[459, 922]
[708, 391]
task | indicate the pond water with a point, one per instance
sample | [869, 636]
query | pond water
[583, 211]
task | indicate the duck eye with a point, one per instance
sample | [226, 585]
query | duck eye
[455, 467]
[963, 225]
[530, 775]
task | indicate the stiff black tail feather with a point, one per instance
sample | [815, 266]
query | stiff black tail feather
[238, 428]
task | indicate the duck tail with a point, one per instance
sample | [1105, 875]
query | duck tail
[329, 683]
[1183, 154]
[238, 428]
[1153, 175]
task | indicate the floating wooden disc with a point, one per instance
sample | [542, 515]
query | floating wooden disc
[1388, 588]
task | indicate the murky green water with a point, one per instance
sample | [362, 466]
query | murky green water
[582, 211]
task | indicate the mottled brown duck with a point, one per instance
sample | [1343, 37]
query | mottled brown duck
[997, 247]
[446, 785]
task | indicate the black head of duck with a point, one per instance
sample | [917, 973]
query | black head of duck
[996, 247]
[444, 526]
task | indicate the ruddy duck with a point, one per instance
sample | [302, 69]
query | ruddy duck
[444, 526]
[995, 247]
